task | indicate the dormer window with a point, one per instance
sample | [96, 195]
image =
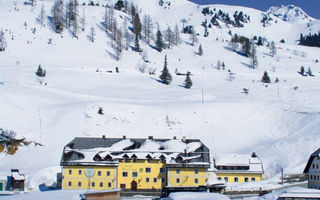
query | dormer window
[134, 158]
[163, 159]
[125, 158]
[108, 158]
[179, 159]
[149, 158]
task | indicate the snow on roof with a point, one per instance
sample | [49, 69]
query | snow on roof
[233, 160]
[17, 176]
[196, 195]
[193, 146]
[141, 148]
[238, 160]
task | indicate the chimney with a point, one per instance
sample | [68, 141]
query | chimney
[174, 137]
[150, 137]
[124, 137]
[104, 136]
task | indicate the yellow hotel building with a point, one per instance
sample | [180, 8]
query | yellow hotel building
[134, 164]
[238, 168]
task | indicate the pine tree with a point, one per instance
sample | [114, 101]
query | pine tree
[169, 37]
[83, 20]
[3, 43]
[200, 50]
[119, 5]
[188, 81]
[273, 49]
[177, 38]
[246, 48]
[166, 76]
[137, 45]
[254, 58]
[137, 26]
[147, 26]
[310, 72]
[223, 66]
[92, 34]
[218, 64]
[193, 37]
[159, 41]
[126, 34]
[42, 16]
[58, 19]
[260, 41]
[40, 72]
[265, 78]
[302, 70]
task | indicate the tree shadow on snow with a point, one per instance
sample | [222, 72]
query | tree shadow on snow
[112, 55]
[237, 52]
[247, 65]
[158, 80]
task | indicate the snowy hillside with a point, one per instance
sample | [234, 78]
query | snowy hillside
[279, 121]
[290, 13]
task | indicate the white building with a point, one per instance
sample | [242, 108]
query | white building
[312, 169]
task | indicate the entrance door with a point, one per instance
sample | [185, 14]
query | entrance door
[133, 185]
[1, 187]
[123, 186]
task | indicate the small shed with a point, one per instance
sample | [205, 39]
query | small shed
[102, 195]
[17, 180]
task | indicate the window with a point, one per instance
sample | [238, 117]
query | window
[93, 184]
[99, 173]
[70, 171]
[124, 174]
[195, 180]
[236, 179]
[226, 179]
[313, 166]
[246, 179]
[108, 173]
[148, 169]
[134, 159]
[311, 177]
[162, 170]
[134, 174]
[196, 171]
[147, 180]
[178, 180]
[79, 184]
[155, 180]
[69, 183]
[219, 178]
[80, 172]
[253, 179]
[109, 184]
[163, 180]
[101, 184]
[317, 166]
[178, 171]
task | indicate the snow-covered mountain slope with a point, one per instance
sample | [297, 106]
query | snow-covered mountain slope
[290, 13]
[279, 122]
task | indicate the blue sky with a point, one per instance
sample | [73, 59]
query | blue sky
[311, 7]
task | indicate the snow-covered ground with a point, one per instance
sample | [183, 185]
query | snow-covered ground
[280, 121]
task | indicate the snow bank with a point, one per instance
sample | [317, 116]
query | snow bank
[196, 195]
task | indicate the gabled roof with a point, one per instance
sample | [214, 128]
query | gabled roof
[312, 156]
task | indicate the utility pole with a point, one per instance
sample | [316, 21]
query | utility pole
[202, 96]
